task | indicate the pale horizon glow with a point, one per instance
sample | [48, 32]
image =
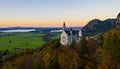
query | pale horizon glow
[52, 13]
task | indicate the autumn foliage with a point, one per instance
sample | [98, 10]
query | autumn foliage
[111, 50]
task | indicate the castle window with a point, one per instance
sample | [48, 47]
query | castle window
[64, 39]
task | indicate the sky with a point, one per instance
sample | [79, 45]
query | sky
[52, 13]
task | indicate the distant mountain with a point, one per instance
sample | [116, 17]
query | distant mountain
[37, 29]
[97, 26]
[14, 28]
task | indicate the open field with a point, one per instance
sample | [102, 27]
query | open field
[20, 40]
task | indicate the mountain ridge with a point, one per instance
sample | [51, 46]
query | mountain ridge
[97, 26]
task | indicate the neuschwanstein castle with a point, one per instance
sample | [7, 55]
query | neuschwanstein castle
[68, 35]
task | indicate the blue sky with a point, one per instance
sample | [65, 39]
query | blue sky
[54, 12]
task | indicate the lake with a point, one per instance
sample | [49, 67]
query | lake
[56, 30]
[17, 30]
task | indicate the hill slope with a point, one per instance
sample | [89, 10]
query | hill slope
[111, 50]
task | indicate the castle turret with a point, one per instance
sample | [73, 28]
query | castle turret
[118, 21]
[80, 34]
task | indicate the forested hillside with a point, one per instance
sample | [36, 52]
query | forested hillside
[88, 54]
[55, 56]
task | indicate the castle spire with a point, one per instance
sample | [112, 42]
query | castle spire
[64, 26]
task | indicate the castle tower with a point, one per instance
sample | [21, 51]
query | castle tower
[118, 21]
[64, 26]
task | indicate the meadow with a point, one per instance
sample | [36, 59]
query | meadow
[25, 40]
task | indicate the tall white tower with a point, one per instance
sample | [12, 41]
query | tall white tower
[80, 34]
